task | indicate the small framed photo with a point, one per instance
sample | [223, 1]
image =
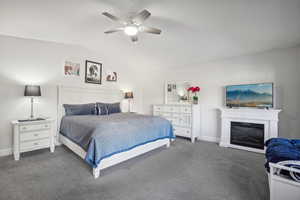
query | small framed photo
[112, 77]
[93, 72]
[72, 69]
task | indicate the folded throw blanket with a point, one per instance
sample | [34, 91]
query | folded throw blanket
[281, 149]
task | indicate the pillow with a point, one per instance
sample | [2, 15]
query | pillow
[80, 109]
[102, 108]
[108, 108]
[113, 108]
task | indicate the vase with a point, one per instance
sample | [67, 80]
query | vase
[195, 100]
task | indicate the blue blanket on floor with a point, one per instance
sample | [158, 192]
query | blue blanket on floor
[281, 149]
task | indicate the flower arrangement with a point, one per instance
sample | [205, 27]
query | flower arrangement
[195, 91]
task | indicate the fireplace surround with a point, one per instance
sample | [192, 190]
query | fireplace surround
[248, 129]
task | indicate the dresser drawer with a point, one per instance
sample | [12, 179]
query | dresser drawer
[172, 109]
[42, 143]
[156, 113]
[158, 109]
[186, 120]
[185, 132]
[27, 136]
[34, 127]
[186, 109]
[166, 115]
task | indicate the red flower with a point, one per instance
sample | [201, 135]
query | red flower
[194, 89]
[190, 89]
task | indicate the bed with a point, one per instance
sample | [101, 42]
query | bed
[104, 141]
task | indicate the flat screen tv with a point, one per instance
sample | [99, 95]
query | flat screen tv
[250, 95]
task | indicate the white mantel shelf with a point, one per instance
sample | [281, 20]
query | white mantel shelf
[260, 116]
[248, 113]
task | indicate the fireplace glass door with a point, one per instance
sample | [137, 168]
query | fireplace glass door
[247, 134]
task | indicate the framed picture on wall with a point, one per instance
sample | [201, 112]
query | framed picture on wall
[93, 72]
[112, 77]
[72, 69]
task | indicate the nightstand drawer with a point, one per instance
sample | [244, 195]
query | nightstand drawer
[34, 135]
[34, 144]
[34, 127]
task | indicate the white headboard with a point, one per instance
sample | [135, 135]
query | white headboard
[81, 95]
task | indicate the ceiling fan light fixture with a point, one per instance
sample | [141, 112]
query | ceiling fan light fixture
[131, 30]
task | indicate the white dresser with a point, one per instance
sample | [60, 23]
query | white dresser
[32, 135]
[185, 118]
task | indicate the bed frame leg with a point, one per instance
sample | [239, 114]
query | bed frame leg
[96, 172]
[168, 144]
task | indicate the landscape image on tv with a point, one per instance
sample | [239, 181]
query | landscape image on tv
[251, 95]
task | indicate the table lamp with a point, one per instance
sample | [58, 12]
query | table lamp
[32, 91]
[129, 96]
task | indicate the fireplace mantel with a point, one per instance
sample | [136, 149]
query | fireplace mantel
[260, 116]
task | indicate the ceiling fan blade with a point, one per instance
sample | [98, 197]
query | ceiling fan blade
[134, 38]
[150, 30]
[141, 17]
[114, 30]
[114, 18]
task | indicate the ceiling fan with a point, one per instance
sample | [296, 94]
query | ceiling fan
[133, 25]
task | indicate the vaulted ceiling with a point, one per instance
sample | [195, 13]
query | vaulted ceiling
[194, 31]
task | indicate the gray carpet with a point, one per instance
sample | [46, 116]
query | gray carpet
[185, 171]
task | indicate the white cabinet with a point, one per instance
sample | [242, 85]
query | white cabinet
[185, 118]
[32, 135]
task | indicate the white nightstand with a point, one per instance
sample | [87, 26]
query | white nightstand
[32, 135]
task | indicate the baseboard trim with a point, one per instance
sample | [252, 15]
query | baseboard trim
[5, 152]
[209, 139]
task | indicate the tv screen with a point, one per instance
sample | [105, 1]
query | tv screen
[250, 95]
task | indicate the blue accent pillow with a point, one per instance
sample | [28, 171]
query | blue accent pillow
[80, 109]
[108, 108]
[113, 108]
[102, 108]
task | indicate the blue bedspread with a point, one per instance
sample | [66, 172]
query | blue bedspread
[280, 149]
[105, 135]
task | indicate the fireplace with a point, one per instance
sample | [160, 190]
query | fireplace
[247, 134]
[247, 129]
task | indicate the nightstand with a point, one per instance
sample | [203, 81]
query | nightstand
[32, 135]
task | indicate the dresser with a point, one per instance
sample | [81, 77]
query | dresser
[185, 118]
[32, 135]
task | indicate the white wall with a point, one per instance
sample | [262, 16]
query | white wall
[24, 61]
[279, 66]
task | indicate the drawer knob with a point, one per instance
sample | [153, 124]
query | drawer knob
[36, 135]
[35, 143]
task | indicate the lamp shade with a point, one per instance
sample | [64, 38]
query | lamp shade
[32, 90]
[128, 95]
